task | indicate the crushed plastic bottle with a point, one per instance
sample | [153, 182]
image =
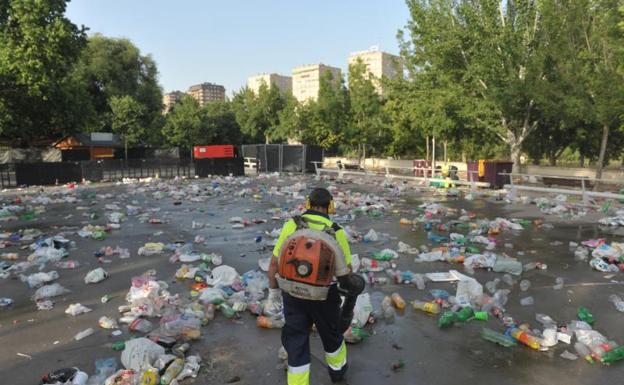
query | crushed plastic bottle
[617, 302]
[398, 301]
[525, 284]
[387, 309]
[525, 338]
[427, 307]
[527, 301]
[558, 283]
[498, 338]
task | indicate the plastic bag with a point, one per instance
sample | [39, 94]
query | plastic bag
[151, 248]
[49, 291]
[75, 309]
[104, 368]
[107, 323]
[507, 265]
[468, 290]
[223, 275]
[140, 353]
[362, 310]
[212, 295]
[371, 236]
[39, 279]
[96, 275]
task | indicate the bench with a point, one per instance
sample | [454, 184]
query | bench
[567, 182]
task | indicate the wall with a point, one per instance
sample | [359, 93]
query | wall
[380, 164]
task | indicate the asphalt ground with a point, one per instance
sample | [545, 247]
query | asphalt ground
[236, 351]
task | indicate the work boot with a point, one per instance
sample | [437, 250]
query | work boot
[338, 376]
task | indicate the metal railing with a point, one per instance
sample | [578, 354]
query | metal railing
[318, 167]
[584, 191]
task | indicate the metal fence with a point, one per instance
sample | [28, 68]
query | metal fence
[109, 170]
[283, 157]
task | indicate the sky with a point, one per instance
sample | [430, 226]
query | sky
[226, 41]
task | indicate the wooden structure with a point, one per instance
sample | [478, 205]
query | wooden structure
[89, 146]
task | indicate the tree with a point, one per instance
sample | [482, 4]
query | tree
[258, 115]
[126, 117]
[491, 50]
[111, 67]
[246, 110]
[367, 130]
[331, 112]
[220, 124]
[38, 48]
[183, 123]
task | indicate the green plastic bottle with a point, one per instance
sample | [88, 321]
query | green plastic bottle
[227, 310]
[613, 355]
[473, 249]
[585, 316]
[447, 319]
[119, 345]
[498, 338]
[465, 314]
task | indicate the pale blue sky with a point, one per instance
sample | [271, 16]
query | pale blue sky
[226, 41]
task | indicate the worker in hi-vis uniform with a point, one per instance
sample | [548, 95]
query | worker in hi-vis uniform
[311, 265]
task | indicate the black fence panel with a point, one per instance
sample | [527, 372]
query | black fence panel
[312, 154]
[75, 155]
[7, 175]
[47, 173]
[292, 158]
[219, 166]
[273, 158]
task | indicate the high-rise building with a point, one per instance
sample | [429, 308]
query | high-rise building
[379, 64]
[283, 83]
[306, 80]
[171, 98]
[206, 92]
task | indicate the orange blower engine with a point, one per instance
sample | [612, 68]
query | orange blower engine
[308, 262]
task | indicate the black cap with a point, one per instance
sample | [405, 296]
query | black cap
[320, 197]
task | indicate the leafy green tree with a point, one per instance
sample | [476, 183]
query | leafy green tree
[126, 117]
[331, 113]
[491, 51]
[367, 131]
[38, 48]
[110, 67]
[220, 125]
[183, 124]
[244, 105]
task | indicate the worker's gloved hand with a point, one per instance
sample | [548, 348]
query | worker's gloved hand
[274, 304]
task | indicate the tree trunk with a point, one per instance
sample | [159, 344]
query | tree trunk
[427, 153]
[581, 161]
[463, 156]
[603, 150]
[515, 157]
[552, 159]
[126, 148]
[445, 153]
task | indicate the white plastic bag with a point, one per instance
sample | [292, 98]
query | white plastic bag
[39, 279]
[468, 290]
[49, 291]
[223, 275]
[95, 276]
[140, 353]
[76, 308]
[362, 310]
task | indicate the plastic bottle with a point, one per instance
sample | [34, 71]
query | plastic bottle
[447, 319]
[585, 316]
[398, 301]
[368, 264]
[83, 334]
[584, 352]
[617, 301]
[613, 355]
[427, 307]
[118, 346]
[525, 338]
[527, 301]
[387, 310]
[227, 310]
[496, 337]
[419, 281]
[172, 371]
[270, 322]
[465, 314]
[150, 377]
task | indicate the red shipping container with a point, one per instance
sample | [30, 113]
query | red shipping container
[221, 151]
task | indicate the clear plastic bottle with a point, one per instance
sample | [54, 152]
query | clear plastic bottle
[83, 334]
[387, 309]
[496, 337]
[427, 307]
[270, 322]
[419, 281]
[172, 371]
[583, 351]
[617, 302]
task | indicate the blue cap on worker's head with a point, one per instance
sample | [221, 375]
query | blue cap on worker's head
[320, 197]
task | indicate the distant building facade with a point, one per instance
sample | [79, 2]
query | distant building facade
[283, 83]
[207, 92]
[379, 64]
[171, 98]
[306, 80]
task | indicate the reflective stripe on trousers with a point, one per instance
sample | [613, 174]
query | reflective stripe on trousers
[299, 375]
[338, 359]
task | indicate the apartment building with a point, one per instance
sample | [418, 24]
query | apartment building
[207, 92]
[379, 64]
[306, 80]
[283, 83]
[171, 98]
